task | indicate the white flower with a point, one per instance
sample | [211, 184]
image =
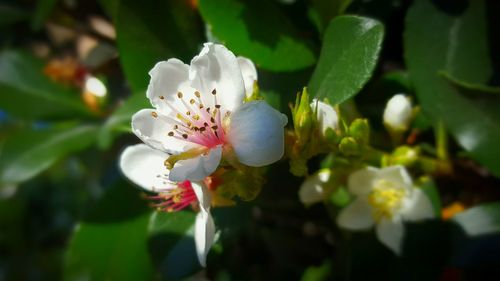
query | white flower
[144, 166]
[312, 189]
[398, 113]
[326, 115]
[200, 114]
[385, 197]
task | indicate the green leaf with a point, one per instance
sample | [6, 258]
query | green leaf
[110, 251]
[328, 9]
[480, 220]
[455, 42]
[43, 10]
[29, 153]
[469, 88]
[28, 93]
[152, 31]
[258, 30]
[351, 46]
[171, 244]
[120, 119]
[318, 273]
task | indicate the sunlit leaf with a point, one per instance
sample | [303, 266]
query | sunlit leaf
[110, 251]
[258, 30]
[350, 50]
[452, 38]
[30, 152]
[28, 93]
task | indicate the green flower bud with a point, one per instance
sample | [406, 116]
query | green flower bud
[360, 131]
[349, 146]
[303, 118]
[404, 155]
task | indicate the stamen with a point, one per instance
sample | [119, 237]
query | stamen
[154, 114]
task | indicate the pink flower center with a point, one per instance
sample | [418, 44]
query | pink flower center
[197, 123]
[175, 199]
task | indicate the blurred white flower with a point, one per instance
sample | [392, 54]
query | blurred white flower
[200, 113]
[385, 198]
[326, 115]
[398, 113]
[312, 189]
[144, 166]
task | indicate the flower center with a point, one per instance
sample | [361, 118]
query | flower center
[175, 199]
[197, 123]
[385, 198]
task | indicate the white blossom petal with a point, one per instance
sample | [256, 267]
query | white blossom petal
[390, 233]
[417, 206]
[357, 215]
[398, 112]
[167, 79]
[312, 190]
[202, 194]
[197, 168]
[154, 132]
[360, 182]
[396, 174]
[144, 166]
[326, 115]
[256, 133]
[249, 73]
[204, 233]
[217, 68]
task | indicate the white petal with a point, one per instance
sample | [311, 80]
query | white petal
[249, 74]
[390, 233]
[144, 166]
[154, 132]
[361, 181]
[312, 191]
[202, 194]
[217, 68]
[326, 115]
[167, 79]
[398, 112]
[356, 216]
[417, 206]
[396, 174]
[204, 233]
[197, 168]
[256, 133]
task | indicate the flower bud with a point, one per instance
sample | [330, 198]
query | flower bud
[398, 113]
[404, 155]
[303, 118]
[349, 146]
[325, 115]
[313, 188]
[360, 130]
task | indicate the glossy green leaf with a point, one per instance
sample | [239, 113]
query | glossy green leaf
[152, 31]
[110, 251]
[469, 88]
[431, 191]
[480, 220]
[28, 93]
[351, 47]
[120, 120]
[258, 30]
[30, 152]
[171, 244]
[454, 41]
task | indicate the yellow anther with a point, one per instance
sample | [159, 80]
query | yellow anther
[386, 198]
